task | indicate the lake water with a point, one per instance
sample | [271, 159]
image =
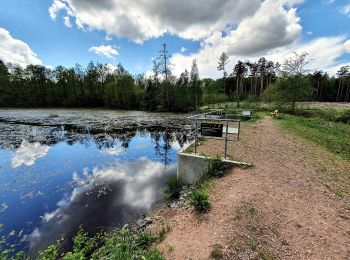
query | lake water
[61, 169]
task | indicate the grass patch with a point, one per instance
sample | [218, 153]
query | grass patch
[215, 169]
[217, 252]
[266, 255]
[200, 201]
[120, 244]
[174, 187]
[165, 229]
[334, 136]
[257, 116]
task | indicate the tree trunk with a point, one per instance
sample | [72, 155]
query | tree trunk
[339, 86]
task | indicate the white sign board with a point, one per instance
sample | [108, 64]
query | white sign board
[231, 130]
[246, 113]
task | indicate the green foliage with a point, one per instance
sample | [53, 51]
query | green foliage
[215, 168]
[117, 244]
[8, 254]
[52, 252]
[127, 244]
[83, 245]
[200, 201]
[174, 187]
[290, 89]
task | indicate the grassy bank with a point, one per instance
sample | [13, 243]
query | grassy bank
[119, 244]
[332, 168]
[334, 136]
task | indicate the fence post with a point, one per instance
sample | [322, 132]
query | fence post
[226, 135]
[239, 129]
[195, 138]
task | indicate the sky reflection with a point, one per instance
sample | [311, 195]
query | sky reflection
[28, 153]
[97, 181]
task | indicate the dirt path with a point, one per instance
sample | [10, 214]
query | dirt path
[277, 209]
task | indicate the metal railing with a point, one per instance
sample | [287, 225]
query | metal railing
[220, 117]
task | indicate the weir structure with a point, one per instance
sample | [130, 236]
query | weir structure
[220, 125]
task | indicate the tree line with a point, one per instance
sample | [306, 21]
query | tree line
[98, 85]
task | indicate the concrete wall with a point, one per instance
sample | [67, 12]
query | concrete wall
[190, 167]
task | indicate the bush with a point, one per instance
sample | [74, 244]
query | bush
[174, 187]
[216, 168]
[199, 199]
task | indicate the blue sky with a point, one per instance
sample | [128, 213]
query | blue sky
[31, 32]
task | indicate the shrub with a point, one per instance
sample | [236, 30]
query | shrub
[199, 199]
[174, 187]
[215, 169]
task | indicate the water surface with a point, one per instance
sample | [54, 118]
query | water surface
[94, 168]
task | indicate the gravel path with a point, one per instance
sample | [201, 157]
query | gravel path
[281, 208]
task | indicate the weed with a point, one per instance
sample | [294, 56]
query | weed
[170, 248]
[217, 252]
[285, 242]
[117, 244]
[165, 229]
[245, 166]
[174, 187]
[266, 255]
[199, 199]
[253, 244]
[215, 169]
[252, 210]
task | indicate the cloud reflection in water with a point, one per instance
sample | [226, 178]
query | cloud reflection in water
[28, 153]
[105, 197]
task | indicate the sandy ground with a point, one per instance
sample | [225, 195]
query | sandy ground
[283, 208]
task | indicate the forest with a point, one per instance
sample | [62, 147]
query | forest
[98, 85]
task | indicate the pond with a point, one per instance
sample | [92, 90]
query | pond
[62, 169]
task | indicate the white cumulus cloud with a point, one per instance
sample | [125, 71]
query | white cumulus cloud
[104, 50]
[28, 153]
[16, 51]
[56, 6]
[140, 20]
[347, 46]
[346, 10]
[67, 22]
